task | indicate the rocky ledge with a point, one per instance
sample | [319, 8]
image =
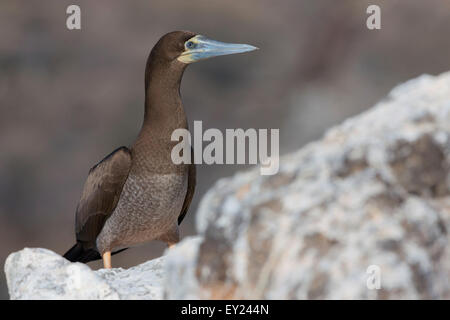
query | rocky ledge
[363, 213]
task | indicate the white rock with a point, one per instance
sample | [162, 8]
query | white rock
[42, 274]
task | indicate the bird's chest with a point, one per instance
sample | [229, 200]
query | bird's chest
[151, 199]
[154, 197]
[148, 208]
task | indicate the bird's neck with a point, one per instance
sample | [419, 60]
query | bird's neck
[164, 111]
[163, 106]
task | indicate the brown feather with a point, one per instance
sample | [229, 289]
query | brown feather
[100, 195]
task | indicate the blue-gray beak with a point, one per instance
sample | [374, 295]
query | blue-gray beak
[200, 48]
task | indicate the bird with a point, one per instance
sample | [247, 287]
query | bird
[137, 194]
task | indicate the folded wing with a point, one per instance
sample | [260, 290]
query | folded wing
[100, 195]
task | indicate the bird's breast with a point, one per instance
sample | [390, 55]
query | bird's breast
[148, 207]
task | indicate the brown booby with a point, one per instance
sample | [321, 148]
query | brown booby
[138, 194]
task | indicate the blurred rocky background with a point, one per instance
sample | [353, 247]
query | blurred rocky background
[68, 98]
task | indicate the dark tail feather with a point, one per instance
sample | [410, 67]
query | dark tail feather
[78, 254]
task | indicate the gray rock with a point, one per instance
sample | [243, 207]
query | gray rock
[373, 194]
[374, 191]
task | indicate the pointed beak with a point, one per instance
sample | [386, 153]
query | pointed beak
[200, 48]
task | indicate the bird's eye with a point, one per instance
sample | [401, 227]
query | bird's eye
[190, 44]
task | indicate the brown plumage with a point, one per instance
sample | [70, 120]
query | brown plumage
[100, 196]
[138, 194]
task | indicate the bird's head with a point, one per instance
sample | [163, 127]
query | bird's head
[187, 47]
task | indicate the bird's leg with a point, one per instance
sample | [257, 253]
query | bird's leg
[171, 244]
[107, 259]
[171, 237]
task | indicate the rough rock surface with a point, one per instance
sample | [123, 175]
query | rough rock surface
[43, 274]
[375, 191]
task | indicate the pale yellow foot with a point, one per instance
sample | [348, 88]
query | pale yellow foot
[171, 245]
[107, 260]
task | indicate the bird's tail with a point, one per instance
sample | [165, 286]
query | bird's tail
[79, 254]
